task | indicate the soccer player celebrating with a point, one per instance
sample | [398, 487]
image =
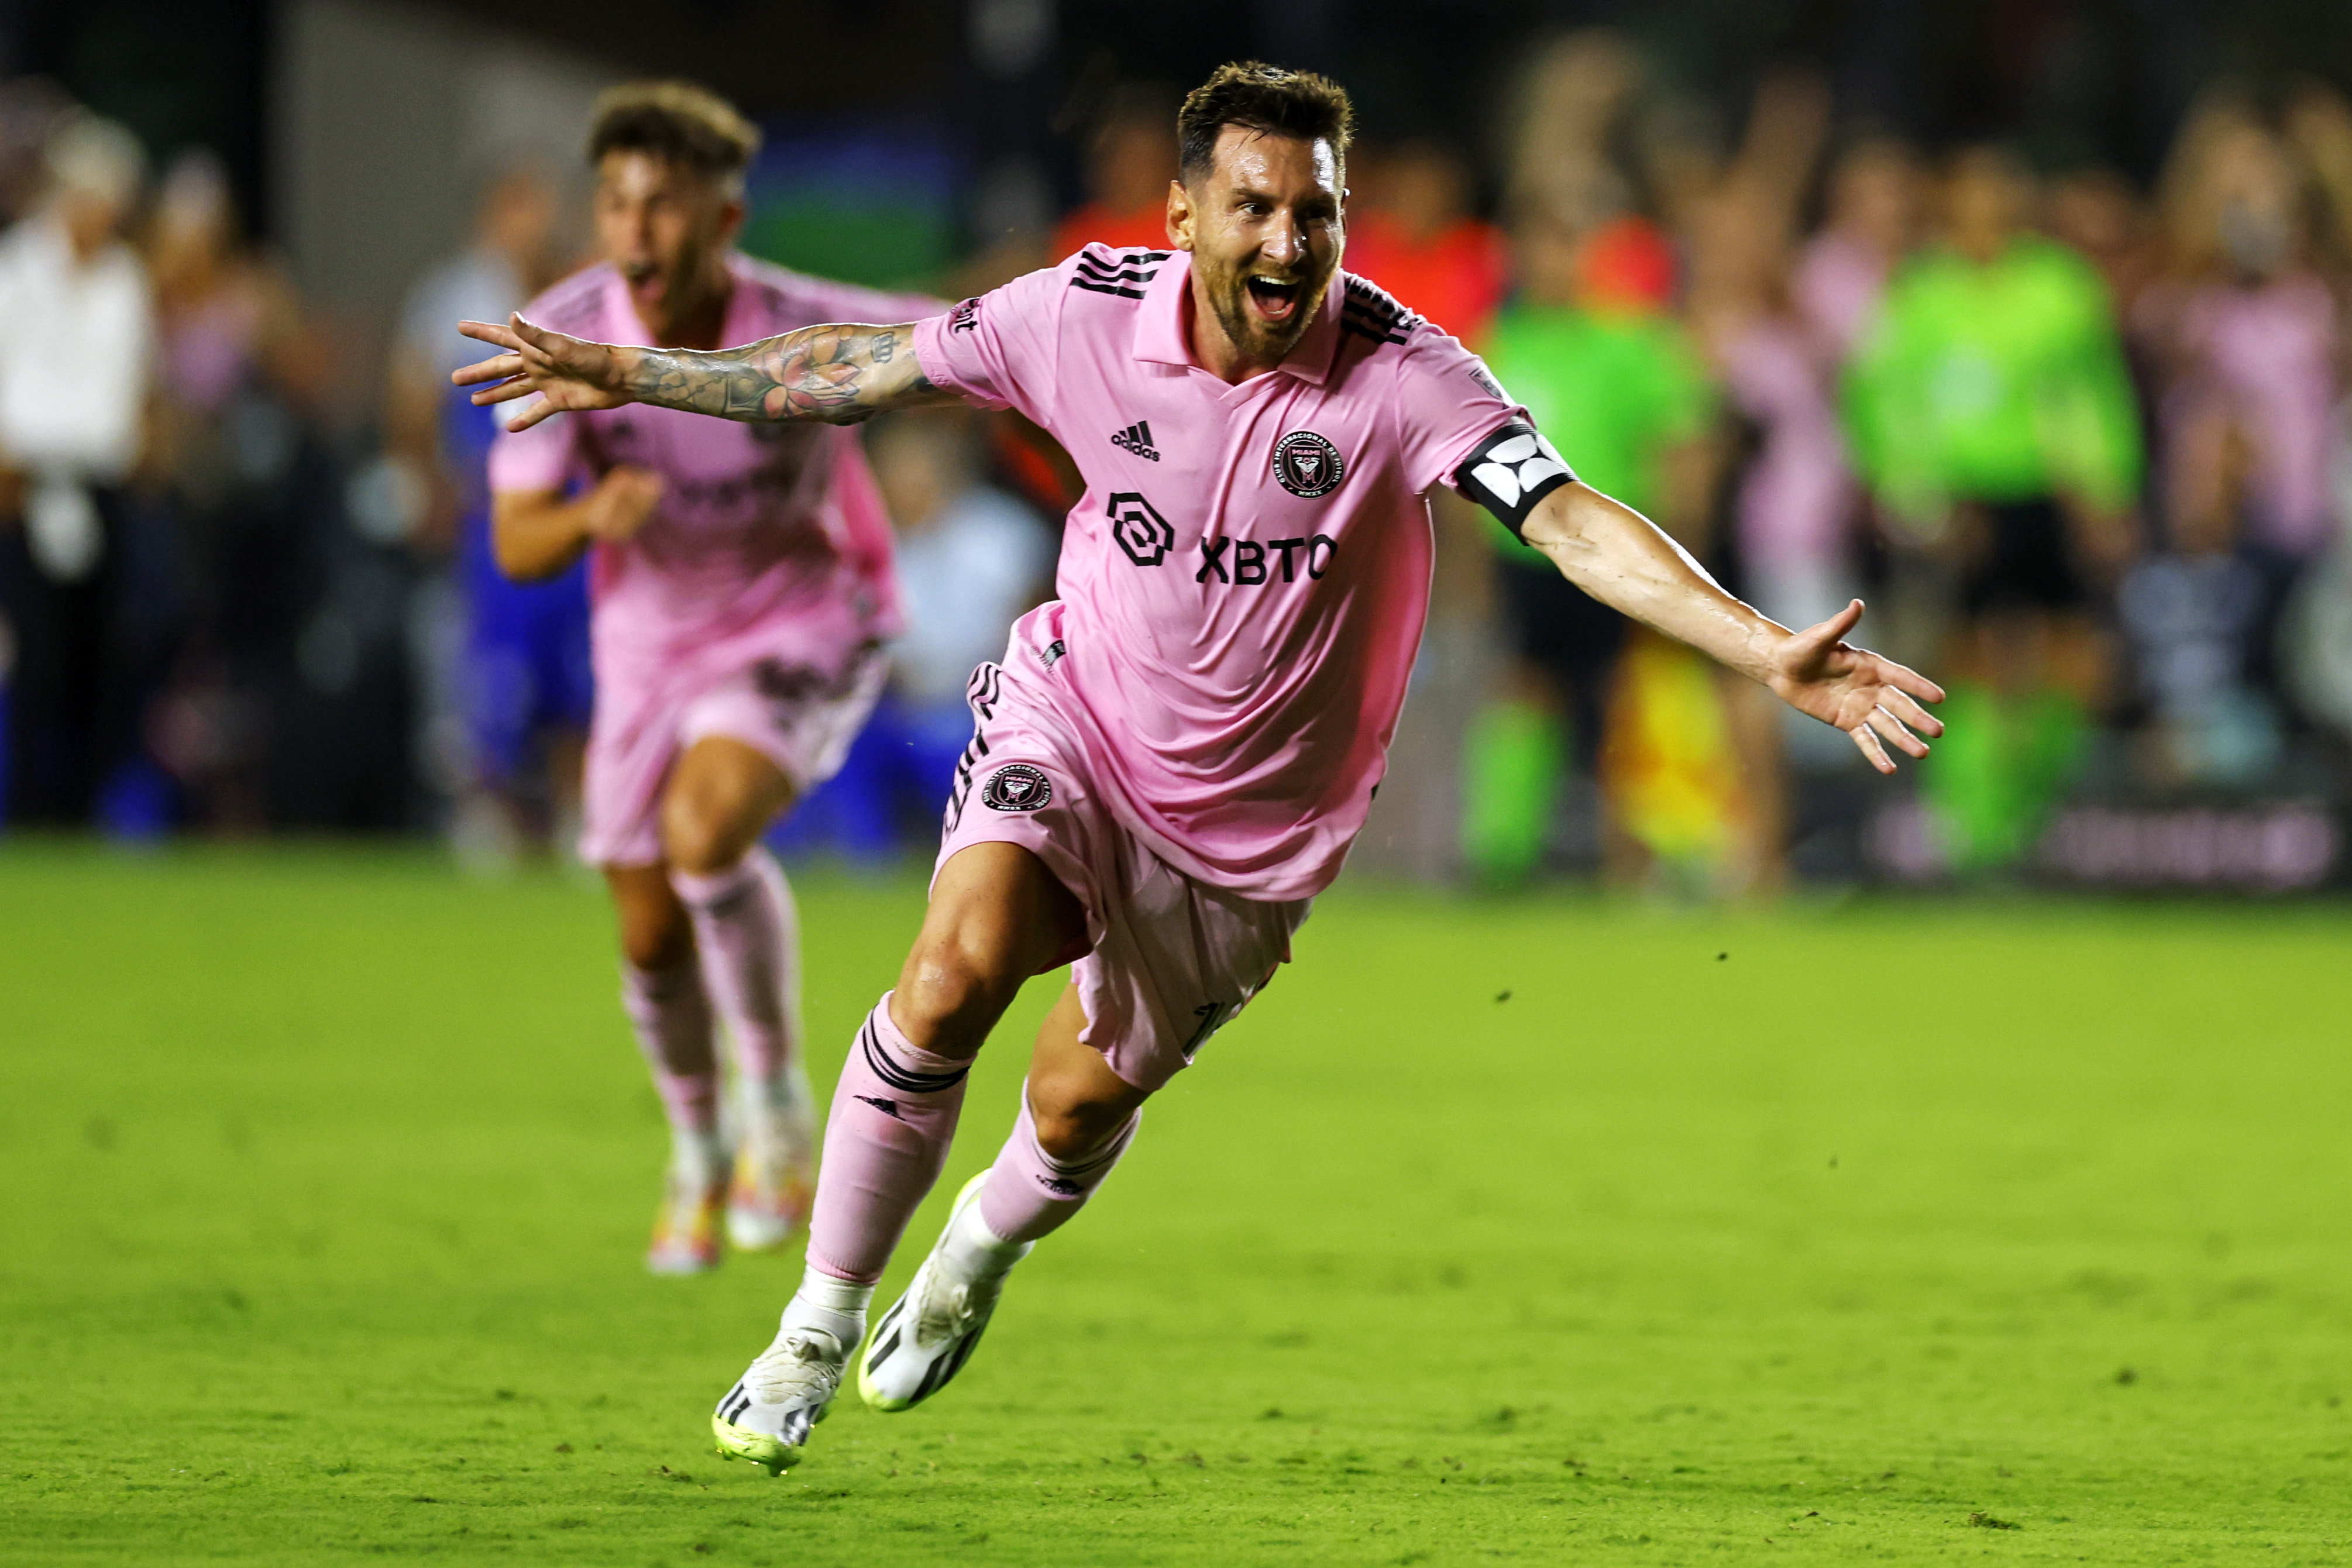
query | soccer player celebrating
[740, 586]
[1172, 758]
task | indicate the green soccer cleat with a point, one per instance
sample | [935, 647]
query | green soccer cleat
[928, 1334]
[767, 1416]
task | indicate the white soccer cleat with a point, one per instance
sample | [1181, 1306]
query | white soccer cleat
[928, 1334]
[775, 1182]
[766, 1416]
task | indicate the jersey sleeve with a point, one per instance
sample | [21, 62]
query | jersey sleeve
[1459, 427]
[997, 350]
[544, 458]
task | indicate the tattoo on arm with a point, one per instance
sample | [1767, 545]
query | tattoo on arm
[831, 375]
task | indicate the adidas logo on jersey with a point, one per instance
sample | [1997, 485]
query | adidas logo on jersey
[1137, 438]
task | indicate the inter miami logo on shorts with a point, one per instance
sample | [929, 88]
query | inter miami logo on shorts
[1017, 786]
[1140, 531]
[1306, 465]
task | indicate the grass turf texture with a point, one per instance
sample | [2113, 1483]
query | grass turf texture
[1901, 1231]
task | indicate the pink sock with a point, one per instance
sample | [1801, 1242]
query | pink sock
[672, 1019]
[746, 935]
[1030, 1194]
[894, 1114]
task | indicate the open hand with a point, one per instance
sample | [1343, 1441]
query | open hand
[567, 373]
[1816, 672]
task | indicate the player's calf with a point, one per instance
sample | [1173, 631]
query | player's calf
[671, 1016]
[747, 933]
[929, 1334]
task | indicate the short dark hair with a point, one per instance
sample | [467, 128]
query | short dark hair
[674, 119]
[1265, 98]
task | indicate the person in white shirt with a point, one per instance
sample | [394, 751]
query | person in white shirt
[77, 344]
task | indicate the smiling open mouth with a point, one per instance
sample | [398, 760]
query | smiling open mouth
[1276, 299]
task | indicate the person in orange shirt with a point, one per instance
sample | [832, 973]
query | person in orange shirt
[1411, 231]
[1129, 161]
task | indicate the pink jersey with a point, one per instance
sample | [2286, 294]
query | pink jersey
[771, 547]
[1243, 583]
[2269, 353]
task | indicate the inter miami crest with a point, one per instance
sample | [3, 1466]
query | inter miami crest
[1140, 531]
[1306, 465]
[1017, 786]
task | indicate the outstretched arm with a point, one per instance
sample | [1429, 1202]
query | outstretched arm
[1615, 554]
[832, 374]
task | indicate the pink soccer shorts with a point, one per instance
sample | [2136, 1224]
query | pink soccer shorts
[798, 718]
[1173, 959]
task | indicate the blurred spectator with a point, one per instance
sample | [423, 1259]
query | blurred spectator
[239, 372]
[1873, 222]
[970, 560]
[2196, 613]
[1990, 413]
[1792, 504]
[77, 336]
[2244, 335]
[1565, 177]
[1130, 159]
[510, 683]
[1411, 230]
[1626, 399]
[30, 108]
[1563, 171]
[2095, 211]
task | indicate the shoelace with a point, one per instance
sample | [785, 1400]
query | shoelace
[797, 1364]
[948, 1313]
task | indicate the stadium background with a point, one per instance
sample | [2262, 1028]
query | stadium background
[1739, 1148]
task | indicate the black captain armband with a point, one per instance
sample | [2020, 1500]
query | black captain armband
[1511, 470]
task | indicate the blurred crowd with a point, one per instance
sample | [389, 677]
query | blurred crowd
[2079, 444]
[2080, 448]
[245, 584]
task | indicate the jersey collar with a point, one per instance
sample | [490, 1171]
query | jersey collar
[1159, 325]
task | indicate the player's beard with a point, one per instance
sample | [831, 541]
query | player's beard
[1253, 334]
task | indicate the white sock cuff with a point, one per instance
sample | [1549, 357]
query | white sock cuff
[821, 1289]
[971, 1241]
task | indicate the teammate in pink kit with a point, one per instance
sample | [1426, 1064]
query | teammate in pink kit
[1172, 757]
[741, 588]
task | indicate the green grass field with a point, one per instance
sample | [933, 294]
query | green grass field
[1892, 1232]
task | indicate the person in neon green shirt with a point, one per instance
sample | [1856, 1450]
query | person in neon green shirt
[1990, 411]
[1994, 372]
[1620, 391]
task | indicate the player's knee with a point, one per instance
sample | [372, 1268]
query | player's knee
[949, 996]
[697, 839]
[1071, 1127]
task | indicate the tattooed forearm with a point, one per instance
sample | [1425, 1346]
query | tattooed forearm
[831, 375]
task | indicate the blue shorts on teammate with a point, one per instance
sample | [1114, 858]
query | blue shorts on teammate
[526, 663]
